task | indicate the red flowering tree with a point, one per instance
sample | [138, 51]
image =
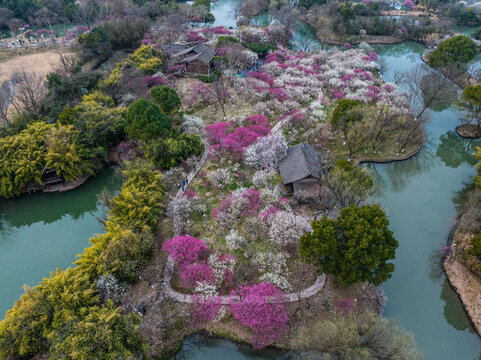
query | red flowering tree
[205, 309]
[217, 132]
[258, 309]
[192, 274]
[184, 249]
[257, 119]
[254, 202]
[235, 142]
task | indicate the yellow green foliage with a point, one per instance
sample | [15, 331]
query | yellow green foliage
[146, 58]
[132, 219]
[22, 159]
[100, 123]
[63, 315]
[114, 76]
[104, 333]
[66, 155]
[24, 156]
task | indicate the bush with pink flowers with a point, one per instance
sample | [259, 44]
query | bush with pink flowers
[257, 309]
[184, 249]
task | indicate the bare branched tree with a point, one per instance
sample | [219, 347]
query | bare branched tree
[87, 11]
[221, 92]
[6, 93]
[234, 57]
[426, 88]
[288, 17]
[67, 62]
[29, 92]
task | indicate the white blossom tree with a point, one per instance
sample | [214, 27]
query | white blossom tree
[267, 151]
[286, 228]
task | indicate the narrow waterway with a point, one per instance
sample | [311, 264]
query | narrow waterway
[42, 232]
[419, 197]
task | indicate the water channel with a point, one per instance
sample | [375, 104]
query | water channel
[41, 232]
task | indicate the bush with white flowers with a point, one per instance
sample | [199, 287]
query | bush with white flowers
[286, 228]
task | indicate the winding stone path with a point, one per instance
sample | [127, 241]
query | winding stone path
[169, 267]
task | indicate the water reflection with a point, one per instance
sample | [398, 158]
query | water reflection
[409, 49]
[397, 175]
[453, 309]
[41, 232]
[200, 347]
[454, 151]
[47, 208]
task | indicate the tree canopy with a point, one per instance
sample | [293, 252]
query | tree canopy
[146, 121]
[458, 50]
[470, 104]
[355, 247]
[350, 184]
[166, 98]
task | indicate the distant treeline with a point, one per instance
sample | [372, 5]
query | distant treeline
[15, 14]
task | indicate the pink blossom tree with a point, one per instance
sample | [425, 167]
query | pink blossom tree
[205, 309]
[254, 202]
[258, 309]
[184, 249]
[193, 274]
[217, 132]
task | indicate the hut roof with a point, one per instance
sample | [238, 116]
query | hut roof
[172, 48]
[201, 52]
[300, 162]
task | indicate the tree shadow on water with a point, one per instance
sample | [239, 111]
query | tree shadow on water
[453, 309]
[396, 176]
[455, 151]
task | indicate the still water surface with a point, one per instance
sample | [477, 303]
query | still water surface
[41, 232]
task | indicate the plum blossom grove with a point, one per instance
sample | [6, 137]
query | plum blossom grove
[246, 223]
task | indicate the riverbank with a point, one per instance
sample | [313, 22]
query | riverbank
[468, 287]
[461, 262]
[413, 151]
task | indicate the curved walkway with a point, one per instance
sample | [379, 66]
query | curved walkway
[169, 267]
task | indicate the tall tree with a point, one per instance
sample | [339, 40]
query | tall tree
[470, 105]
[166, 98]
[355, 247]
[349, 184]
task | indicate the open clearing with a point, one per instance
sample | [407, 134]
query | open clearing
[40, 62]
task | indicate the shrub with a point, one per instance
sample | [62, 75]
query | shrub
[146, 121]
[166, 98]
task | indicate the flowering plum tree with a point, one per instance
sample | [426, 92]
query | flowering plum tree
[266, 150]
[192, 274]
[184, 249]
[258, 310]
[205, 309]
[286, 228]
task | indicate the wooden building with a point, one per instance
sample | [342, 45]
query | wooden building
[197, 59]
[301, 169]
